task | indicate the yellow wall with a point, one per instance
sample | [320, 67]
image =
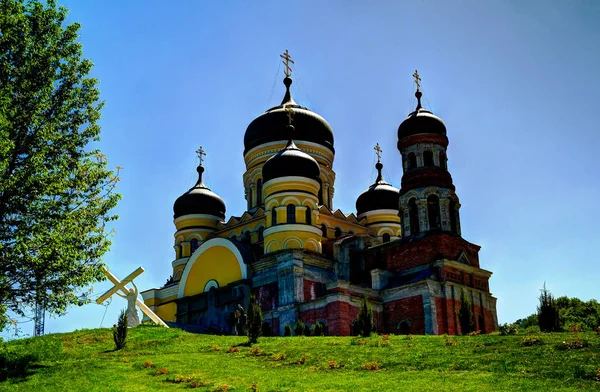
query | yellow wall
[218, 263]
[167, 312]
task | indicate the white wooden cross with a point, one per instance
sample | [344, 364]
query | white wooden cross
[120, 286]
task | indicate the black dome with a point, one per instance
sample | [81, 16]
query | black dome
[199, 200]
[421, 121]
[270, 126]
[290, 161]
[379, 196]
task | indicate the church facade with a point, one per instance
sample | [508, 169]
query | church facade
[304, 260]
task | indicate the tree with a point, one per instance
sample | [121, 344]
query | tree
[364, 320]
[56, 192]
[255, 320]
[465, 314]
[547, 312]
[120, 331]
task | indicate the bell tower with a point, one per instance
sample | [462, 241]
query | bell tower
[428, 201]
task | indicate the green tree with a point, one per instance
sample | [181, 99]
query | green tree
[465, 314]
[120, 331]
[364, 320]
[547, 312]
[56, 192]
[255, 320]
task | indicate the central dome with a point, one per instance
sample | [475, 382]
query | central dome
[421, 121]
[379, 196]
[271, 125]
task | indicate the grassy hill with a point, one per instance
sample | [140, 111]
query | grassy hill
[158, 359]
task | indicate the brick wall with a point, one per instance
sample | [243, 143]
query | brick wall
[410, 309]
[339, 316]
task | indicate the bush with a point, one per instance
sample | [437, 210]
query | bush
[14, 363]
[547, 312]
[465, 314]
[299, 328]
[307, 329]
[254, 320]
[287, 330]
[508, 329]
[364, 320]
[120, 331]
[319, 329]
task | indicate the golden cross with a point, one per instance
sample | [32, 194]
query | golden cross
[417, 79]
[378, 151]
[201, 154]
[287, 59]
[290, 113]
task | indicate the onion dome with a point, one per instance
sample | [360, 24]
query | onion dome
[270, 126]
[199, 200]
[291, 161]
[421, 121]
[379, 196]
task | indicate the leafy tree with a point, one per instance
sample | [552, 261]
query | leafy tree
[547, 312]
[364, 320]
[56, 192]
[255, 320]
[299, 328]
[120, 330]
[465, 314]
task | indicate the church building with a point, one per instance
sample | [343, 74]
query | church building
[304, 260]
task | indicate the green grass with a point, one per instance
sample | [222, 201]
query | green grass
[85, 361]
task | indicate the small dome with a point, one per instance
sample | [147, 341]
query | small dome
[291, 161]
[379, 196]
[270, 126]
[421, 121]
[199, 200]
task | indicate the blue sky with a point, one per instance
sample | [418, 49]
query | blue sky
[515, 82]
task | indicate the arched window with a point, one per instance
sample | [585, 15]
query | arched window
[413, 213]
[338, 232]
[428, 158]
[259, 199]
[443, 160]
[261, 235]
[308, 213]
[386, 237]
[324, 230]
[320, 191]
[433, 211]
[453, 213]
[291, 213]
[412, 161]
[193, 245]
[247, 237]
[404, 328]
[273, 217]
[250, 198]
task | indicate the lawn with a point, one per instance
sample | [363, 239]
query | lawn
[158, 359]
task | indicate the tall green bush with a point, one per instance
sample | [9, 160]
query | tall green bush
[120, 331]
[255, 320]
[287, 330]
[547, 312]
[465, 314]
[364, 320]
[299, 328]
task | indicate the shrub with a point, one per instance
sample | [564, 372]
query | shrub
[215, 347]
[120, 331]
[253, 387]
[299, 328]
[333, 364]
[547, 312]
[465, 314]
[474, 333]
[508, 329]
[597, 329]
[307, 329]
[256, 351]
[575, 344]
[575, 328]
[531, 341]
[287, 330]
[162, 371]
[254, 320]
[148, 364]
[449, 341]
[370, 365]
[279, 357]
[14, 363]
[319, 329]
[301, 361]
[233, 349]
[364, 320]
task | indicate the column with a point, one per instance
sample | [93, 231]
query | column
[423, 220]
[445, 214]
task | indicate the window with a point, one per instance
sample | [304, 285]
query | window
[428, 158]
[338, 232]
[261, 235]
[308, 213]
[320, 191]
[413, 212]
[273, 217]
[193, 245]
[291, 213]
[404, 328]
[443, 160]
[433, 212]
[453, 215]
[324, 230]
[259, 199]
[247, 237]
[412, 161]
[386, 237]
[249, 198]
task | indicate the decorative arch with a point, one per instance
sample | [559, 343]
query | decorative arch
[272, 246]
[428, 158]
[178, 275]
[323, 230]
[210, 284]
[312, 245]
[386, 237]
[272, 204]
[433, 212]
[412, 161]
[206, 246]
[290, 242]
[385, 230]
[291, 213]
[413, 213]
[404, 327]
[194, 235]
[338, 232]
[289, 199]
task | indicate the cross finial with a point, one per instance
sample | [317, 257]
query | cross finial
[201, 154]
[287, 59]
[417, 79]
[290, 113]
[378, 151]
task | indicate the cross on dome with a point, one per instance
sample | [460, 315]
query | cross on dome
[290, 112]
[287, 59]
[201, 154]
[378, 151]
[417, 79]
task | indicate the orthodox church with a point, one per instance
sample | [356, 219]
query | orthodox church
[304, 260]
